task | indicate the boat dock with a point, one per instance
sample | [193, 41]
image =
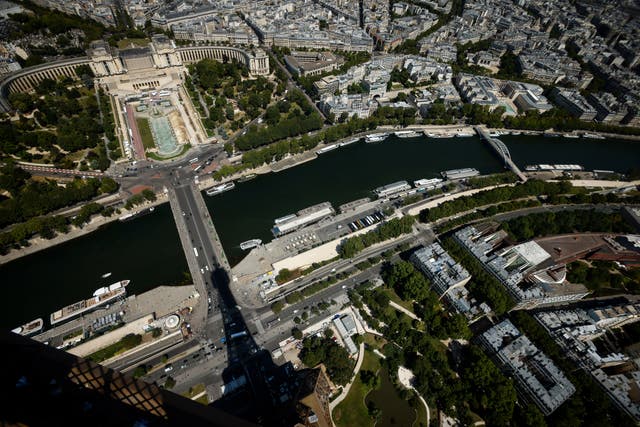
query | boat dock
[502, 151]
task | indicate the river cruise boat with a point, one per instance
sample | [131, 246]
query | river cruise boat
[250, 244]
[427, 184]
[100, 297]
[327, 149]
[248, 177]
[558, 167]
[217, 189]
[136, 214]
[592, 136]
[29, 328]
[376, 137]
[407, 134]
[463, 173]
[349, 142]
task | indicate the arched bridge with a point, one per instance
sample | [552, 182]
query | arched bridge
[501, 149]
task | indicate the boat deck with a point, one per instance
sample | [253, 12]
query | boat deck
[85, 305]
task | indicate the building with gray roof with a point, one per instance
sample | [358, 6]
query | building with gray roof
[538, 379]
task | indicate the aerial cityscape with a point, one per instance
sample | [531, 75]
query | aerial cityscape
[320, 212]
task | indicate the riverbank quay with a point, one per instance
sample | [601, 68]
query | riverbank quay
[291, 160]
[557, 144]
[156, 303]
[430, 131]
[587, 135]
[38, 243]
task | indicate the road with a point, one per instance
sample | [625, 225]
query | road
[424, 236]
[198, 247]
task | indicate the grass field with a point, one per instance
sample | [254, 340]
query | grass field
[395, 298]
[126, 343]
[194, 391]
[372, 342]
[352, 411]
[145, 133]
[421, 415]
[125, 43]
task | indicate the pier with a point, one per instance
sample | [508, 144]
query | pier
[501, 149]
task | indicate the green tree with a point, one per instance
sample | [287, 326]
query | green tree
[277, 306]
[108, 185]
[317, 350]
[140, 371]
[149, 195]
[170, 383]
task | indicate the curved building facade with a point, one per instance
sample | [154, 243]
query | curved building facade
[257, 62]
[27, 79]
[106, 61]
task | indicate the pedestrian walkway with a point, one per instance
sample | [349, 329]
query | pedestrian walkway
[345, 389]
[404, 310]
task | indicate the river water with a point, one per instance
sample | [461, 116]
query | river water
[147, 250]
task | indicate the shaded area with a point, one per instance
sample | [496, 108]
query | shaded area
[46, 386]
[259, 383]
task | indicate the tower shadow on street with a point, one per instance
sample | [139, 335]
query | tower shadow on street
[255, 386]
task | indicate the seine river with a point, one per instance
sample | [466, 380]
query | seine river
[147, 250]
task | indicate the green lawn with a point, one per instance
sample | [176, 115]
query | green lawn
[145, 133]
[395, 298]
[126, 343]
[421, 415]
[352, 410]
[194, 391]
[126, 43]
[372, 342]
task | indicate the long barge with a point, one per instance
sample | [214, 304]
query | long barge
[376, 137]
[250, 244]
[556, 167]
[100, 297]
[407, 134]
[29, 328]
[327, 148]
[217, 189]
[136, 214]
[349, 142]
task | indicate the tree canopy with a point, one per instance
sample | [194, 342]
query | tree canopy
[317, 350]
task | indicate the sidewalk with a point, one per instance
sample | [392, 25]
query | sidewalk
[404, 310]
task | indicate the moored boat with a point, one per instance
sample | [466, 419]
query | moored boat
[100, 297]
[327, 148]
[247, 177]
[349, 142]
[217, 189]
[592, 136]
[376, 137]
[29, 328]
[136, 214]
[407, 134]
[250, 244]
